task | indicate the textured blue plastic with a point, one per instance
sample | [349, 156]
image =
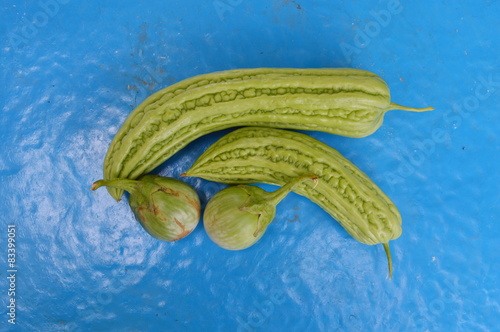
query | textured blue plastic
[71, 73]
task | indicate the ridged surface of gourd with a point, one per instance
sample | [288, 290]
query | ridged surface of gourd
[274, 156]
[347, 102]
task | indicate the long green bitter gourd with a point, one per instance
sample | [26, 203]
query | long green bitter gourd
[347, 102]
[274, 156]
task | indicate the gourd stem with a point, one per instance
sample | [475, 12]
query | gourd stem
[277, 196]
[389, 258]
[394, 106]
[124, 184]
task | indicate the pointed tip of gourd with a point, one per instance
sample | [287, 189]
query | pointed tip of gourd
[389, 258]
[394, 106]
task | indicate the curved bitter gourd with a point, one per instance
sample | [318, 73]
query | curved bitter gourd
[274, 156]
[347, 102]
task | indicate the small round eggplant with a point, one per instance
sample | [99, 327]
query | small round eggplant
[237, 217]
[167, 208]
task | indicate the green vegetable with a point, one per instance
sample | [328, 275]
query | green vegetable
[275, 156]
[347, 102]
[237, 217]
[167, 208]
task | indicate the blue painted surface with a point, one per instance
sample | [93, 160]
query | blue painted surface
[71, 72]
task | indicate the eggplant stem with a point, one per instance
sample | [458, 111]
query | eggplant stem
[277, 196]
[124, 184]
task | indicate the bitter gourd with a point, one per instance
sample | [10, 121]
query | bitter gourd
[348, 102]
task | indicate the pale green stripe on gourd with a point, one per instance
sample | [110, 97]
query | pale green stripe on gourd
[265, 155]
[346, 102]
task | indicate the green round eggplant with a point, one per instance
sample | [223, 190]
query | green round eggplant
[167, 208]
[237, 217]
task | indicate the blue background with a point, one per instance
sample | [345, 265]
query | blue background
[72, 71]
